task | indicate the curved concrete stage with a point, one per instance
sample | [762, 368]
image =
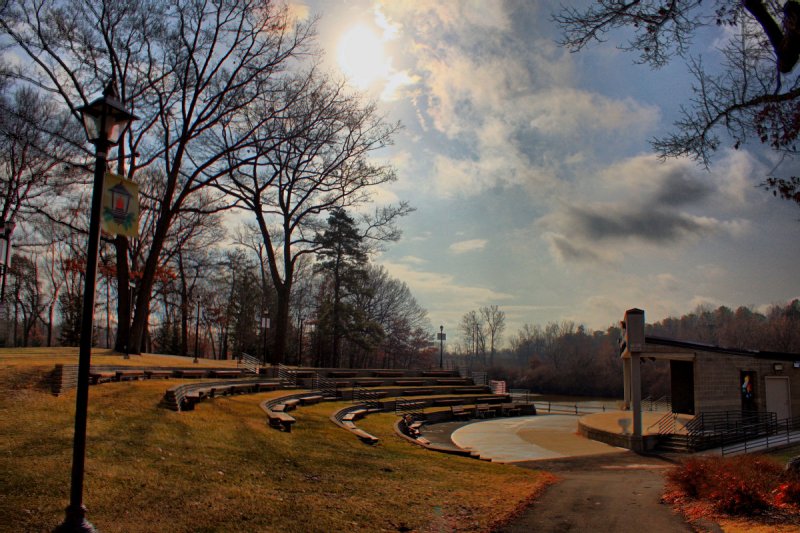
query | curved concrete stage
[615, 428]
[530, 438]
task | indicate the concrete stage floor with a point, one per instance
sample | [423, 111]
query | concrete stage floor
[540, 437]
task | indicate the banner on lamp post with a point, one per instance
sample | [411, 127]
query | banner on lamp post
[120, 206]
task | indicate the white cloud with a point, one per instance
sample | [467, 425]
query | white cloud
[472, 245]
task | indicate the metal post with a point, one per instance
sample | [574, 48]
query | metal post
[441, 347]
[75, 519]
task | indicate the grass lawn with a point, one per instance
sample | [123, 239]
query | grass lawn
[220, 468]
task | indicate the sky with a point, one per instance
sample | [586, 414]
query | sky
[534, 182]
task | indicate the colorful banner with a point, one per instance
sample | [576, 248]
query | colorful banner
[120, 211]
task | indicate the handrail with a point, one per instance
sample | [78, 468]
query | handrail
[783, 432]
[666, 424]
[250, 363]
[709, 429]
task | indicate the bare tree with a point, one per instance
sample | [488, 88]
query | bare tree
[753, 94]
[308, 157]
[187, 69]
[495, 325]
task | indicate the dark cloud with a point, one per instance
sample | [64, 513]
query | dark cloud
[567, 251]
[678, 188]
[649, 224]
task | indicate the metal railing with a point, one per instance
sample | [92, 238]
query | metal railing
[325, 386]
[287, 376]
[250, 363]
[711, 429]
[762, 436]
[569, 408]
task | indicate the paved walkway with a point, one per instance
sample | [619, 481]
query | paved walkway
[600, 487]
[612, 493]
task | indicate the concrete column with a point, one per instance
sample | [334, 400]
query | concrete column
[636, 396]
[626, 381]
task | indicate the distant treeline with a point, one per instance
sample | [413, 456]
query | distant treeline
[566, 358]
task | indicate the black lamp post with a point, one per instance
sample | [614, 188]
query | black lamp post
[131, 294]
[105, 120]
[441, 346]
[264, 328]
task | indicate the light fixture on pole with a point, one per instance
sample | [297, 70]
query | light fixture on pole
[105, 120]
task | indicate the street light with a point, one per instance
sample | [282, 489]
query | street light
[105, 120]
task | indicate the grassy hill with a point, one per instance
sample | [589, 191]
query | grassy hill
[220, 468]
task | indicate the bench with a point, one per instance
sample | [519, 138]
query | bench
[310, 400]
[417, 392]
[364, 436]
[354, 415]
[226, 373]
[448, 401]
[341, 374]
[281, 420]
[453, 381]
[191, 373]
[153, 374]
[241, 388]
[482, 410]
[497, 398]
[101, 377]
[409, 382]
[446, 373]
[458, 412]
[368, 383]
[291, 404]
[122, 375]
[387, 374]
[509, 409]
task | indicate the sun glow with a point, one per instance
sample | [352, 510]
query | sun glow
[362, 58]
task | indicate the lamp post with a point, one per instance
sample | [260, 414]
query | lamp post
[105, 120]
[300, 343]
[264, 328]
[131, 289]
[441, 346]
[197, 332]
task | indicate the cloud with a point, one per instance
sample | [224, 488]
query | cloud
[443, 297]
[413, 260]
[472, 245]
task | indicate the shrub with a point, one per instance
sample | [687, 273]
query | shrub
[742, 485]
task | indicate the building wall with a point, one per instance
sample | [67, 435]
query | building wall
[718, 381]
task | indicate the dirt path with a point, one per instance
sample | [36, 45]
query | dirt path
[614, 493]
